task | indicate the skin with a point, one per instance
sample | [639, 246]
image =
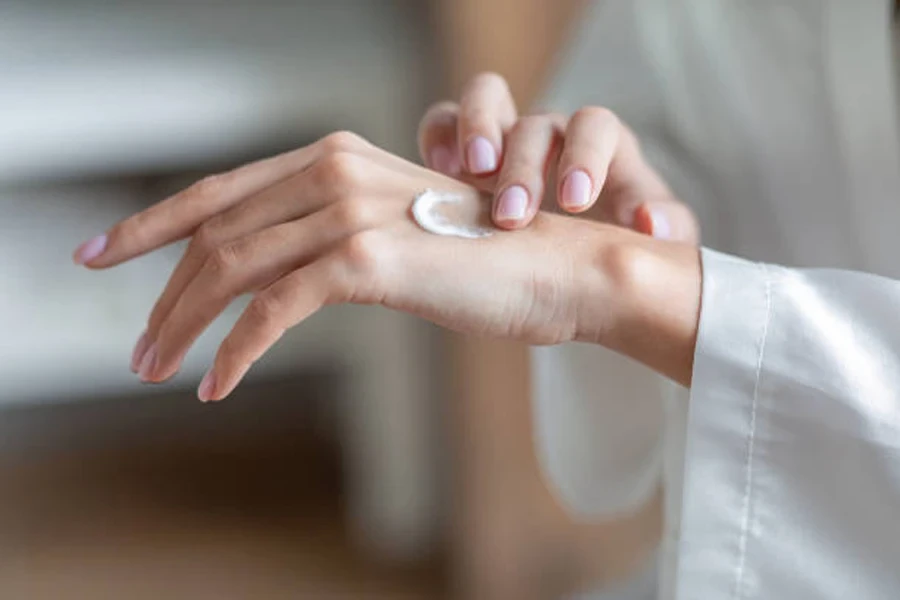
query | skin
[592, 146]
[329, 223]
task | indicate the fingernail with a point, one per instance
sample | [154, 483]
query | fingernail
[90, 250]
[512, 204]
[138, 353]
[207, 386]
[445, 160]
[481, 156]
[148, 363]
[576, 190]
[661, 228]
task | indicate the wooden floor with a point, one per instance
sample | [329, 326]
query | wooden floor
[161, 497]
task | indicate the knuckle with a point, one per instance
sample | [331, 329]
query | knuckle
[265, 309]
[340, 171]
[363, 252]
[478, 118]
[342, 141]
[207, 237]
[131, 229]
[208, 187]
[489, 80]
[599, 114]
[529, 124]
[440, 111]
[223, 260]
[352, 215]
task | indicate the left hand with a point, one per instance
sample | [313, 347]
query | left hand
[594, 157]
[330, 223]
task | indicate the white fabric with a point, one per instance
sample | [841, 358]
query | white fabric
[776, 122]
[792, 483]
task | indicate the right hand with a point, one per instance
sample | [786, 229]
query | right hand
[595, 159]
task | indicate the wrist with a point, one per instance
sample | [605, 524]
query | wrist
[641, 297]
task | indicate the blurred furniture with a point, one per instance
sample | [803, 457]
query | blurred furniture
[101, 100]
[179, 502]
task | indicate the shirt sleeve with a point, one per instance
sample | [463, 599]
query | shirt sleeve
[792, 464]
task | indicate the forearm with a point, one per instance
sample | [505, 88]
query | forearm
[517, 38]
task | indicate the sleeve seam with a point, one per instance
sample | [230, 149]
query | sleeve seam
[747, 503]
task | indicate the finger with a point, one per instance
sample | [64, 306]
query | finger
[241, 266]
[348, 274]
[437, 139]
[277, 204]
[178, 216]
[592, 140]
[667, 220]
[602, 162]
[531, 147]
[486, 111]
[261, 325]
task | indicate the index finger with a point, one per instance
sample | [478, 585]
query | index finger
[178, 216]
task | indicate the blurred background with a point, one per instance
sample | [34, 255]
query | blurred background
[347, 465]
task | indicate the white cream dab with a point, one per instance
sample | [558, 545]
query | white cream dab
[450, 213]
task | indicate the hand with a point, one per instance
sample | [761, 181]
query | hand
[330, 223]
[595, 158]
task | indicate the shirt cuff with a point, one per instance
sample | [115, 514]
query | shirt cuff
[734, 316]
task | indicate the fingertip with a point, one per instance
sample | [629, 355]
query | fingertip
[91, 250]
[511, 205]
[643, 220]
[662, 228]
[140, 349]
[576, 192]
[653, 221]
[481, 156]
[445, 160]
[147, 367]
[510, 225]
[206, 391]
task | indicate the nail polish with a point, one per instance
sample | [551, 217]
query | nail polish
[576, 190]
[661, 228]
[90, 249]
[140, 348]
[481, 156]
[207, 386]
[148, 363]
[512, 204]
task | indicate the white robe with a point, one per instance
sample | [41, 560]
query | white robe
[776, 122]
[792, 470]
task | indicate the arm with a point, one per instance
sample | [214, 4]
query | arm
[519, 38]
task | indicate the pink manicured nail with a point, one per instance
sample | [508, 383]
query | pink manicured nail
[90, 250]
[661, 228]
[512, 204]
[445, 160]
[137, 354]
[207, 386]
[481, 156]
[576, 190]
[148, 363]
